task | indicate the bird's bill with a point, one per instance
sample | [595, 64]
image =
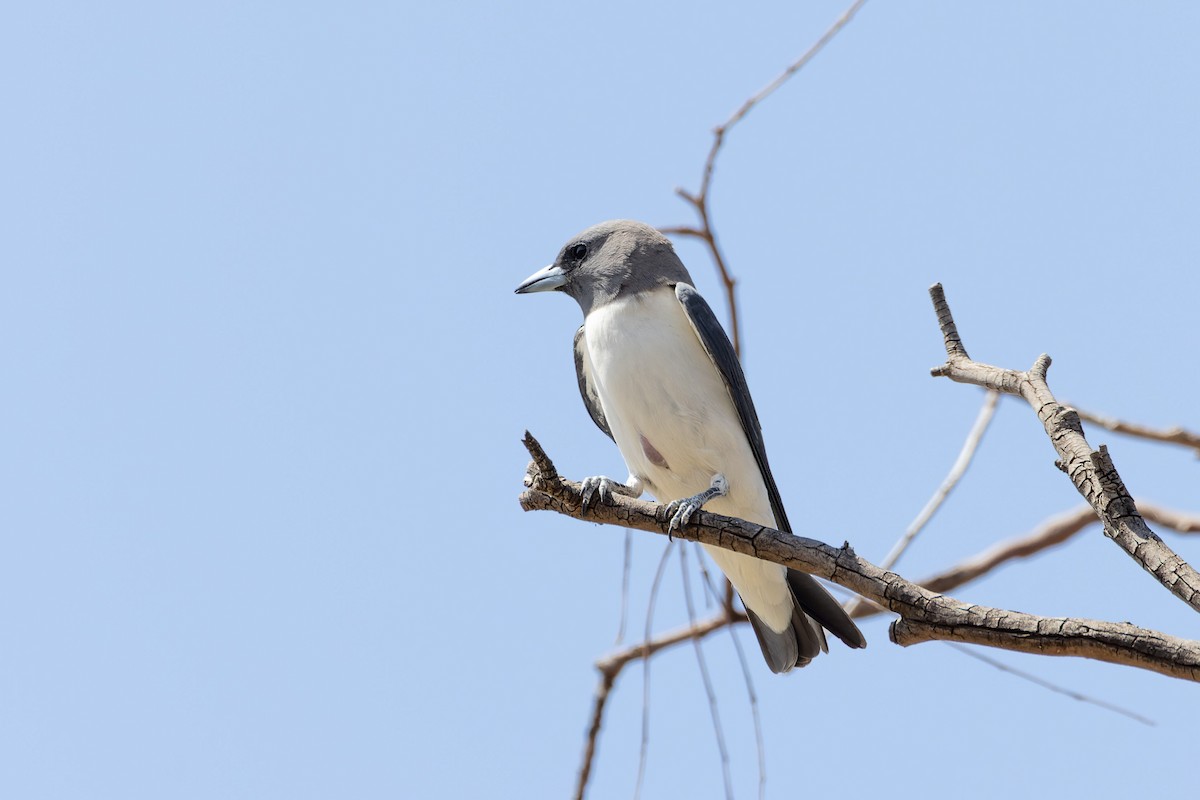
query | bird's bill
[543, 280]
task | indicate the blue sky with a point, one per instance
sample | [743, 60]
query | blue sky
[265, 380]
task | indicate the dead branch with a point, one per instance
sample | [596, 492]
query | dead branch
[924, 615]
[988, 410]
[1178, 521]
[699, 200]
[959, 468]
[1054, 531]
[705, 678]
[613, 662]
[1091, 471]
[611, 665]
[1053, 687]
[1174, 435]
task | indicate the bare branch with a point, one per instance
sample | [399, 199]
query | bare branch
[614, 662]
[752, 697]
[1114, 642]
[1054, 531]
[611, 665]
[957, 470]
[1173, 435]
[699, 200]
[974, 437]
[924, 615]
[643, 749]
[718, 730]
[709, 236]
[1178, 521]
[1091, 471]
[792, 69]
[603, 690]
[626, 563]
[1045, 684]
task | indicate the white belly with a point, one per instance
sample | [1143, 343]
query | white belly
[676, 427]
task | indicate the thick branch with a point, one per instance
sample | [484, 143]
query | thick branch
[1091, 471]
[924, 614]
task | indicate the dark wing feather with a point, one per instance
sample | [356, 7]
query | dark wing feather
[720, 350]
[587, 390]
[810, 595]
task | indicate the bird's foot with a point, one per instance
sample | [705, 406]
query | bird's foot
[680, 511]
[606, 488]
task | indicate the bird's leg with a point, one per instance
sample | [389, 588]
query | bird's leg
[607, 487]
[680, 511]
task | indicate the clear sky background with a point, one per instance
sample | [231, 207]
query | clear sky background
[264, 381]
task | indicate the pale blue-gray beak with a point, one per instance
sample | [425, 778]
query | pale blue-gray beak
[543, 280]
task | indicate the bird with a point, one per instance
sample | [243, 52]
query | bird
[660, 377]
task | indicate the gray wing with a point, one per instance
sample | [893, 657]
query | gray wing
[809, 594]
[720, 350]
[587, 390]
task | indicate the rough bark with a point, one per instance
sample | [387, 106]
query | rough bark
[924, 615]
[1091, 471]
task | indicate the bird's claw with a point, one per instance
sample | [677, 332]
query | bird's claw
[596, 484]
[680, 511]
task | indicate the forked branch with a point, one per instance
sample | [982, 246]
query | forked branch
[1091, 471]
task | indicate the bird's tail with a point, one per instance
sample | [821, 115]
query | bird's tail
[814, 610]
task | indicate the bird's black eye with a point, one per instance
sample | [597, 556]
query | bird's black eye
[577, 251]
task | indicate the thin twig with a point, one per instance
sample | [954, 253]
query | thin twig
[614, 662]
[643, 749]
[792, 69]
[699, 200]
[1173, 435]
[611, 666]
[974, 436]
[957, 470]
[759, 744]
[1045, 684]
[603, 690]
[718, 731]
[627, 561]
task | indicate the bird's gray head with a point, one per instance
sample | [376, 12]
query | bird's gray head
[614, 259]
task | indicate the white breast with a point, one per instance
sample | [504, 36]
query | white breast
[656, 381]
